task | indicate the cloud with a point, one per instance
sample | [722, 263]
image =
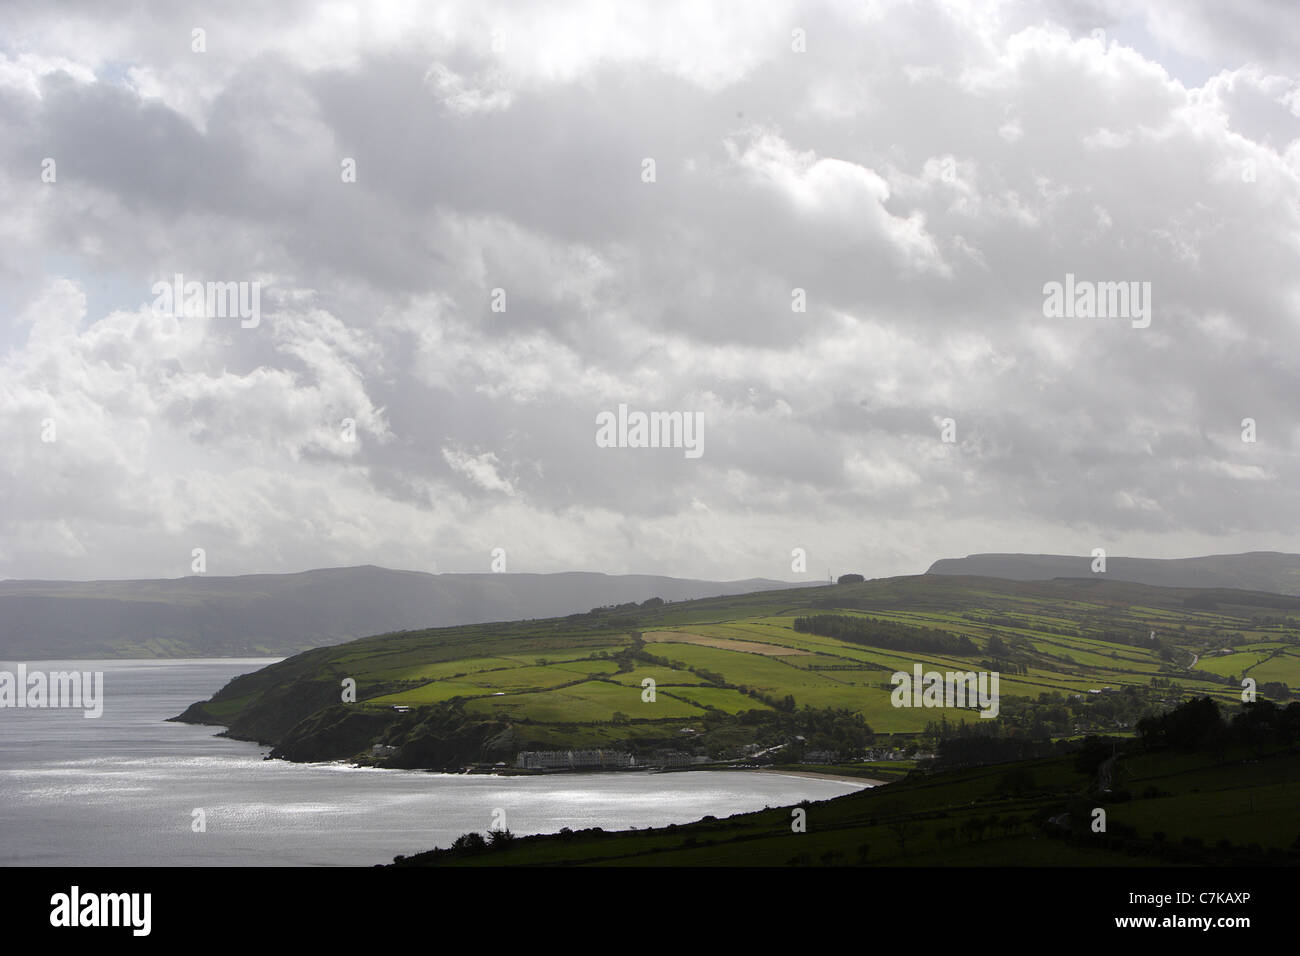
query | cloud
[438, 336]
[481, 469]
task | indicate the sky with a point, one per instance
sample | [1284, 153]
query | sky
[823, 231]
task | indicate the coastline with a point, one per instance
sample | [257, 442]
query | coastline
[864, 782]
[867, 782]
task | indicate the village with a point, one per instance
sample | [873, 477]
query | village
[788, 754]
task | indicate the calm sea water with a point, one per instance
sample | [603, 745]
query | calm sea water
[121, 789]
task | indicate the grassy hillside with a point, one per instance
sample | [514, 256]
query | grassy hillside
[1237, 807]
[1075, 657]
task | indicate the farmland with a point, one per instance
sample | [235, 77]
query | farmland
[1075, 657]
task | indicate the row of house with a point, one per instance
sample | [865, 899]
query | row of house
[602, 759]
[572, 759]
[675, 758]
[821, 756]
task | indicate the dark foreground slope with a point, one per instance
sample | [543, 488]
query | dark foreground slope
[274, 614]
[1214, 793]
[1254, 571]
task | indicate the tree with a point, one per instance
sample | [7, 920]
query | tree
[1193, 724]
[469, 841]
[904, 830]
[850, 579]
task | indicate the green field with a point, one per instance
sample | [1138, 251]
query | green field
[586, 703]
[1074, 657]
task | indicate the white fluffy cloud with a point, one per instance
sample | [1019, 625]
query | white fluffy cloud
[438, 336]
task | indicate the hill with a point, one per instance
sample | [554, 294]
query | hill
[758, 671]
[1254, 571]
[1225, 798]
[275, 614]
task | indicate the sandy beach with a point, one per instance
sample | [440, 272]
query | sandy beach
[845, 778]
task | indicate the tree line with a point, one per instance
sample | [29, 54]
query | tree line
[887, 634]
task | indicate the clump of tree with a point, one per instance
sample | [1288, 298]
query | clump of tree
[1199, 724]
[839, 729]
[887, 634]
[978, 745]
[469, 843]
[1275, 690]
[1004, 658]
[850, 579]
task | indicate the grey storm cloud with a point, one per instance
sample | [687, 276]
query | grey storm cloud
[916, 174]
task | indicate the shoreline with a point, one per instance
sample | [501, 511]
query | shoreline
[868, 783]
[865, 783]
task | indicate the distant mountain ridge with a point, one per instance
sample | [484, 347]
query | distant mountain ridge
[281, 614]
[1273, 571]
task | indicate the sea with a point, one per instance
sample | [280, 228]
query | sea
[130, 788]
